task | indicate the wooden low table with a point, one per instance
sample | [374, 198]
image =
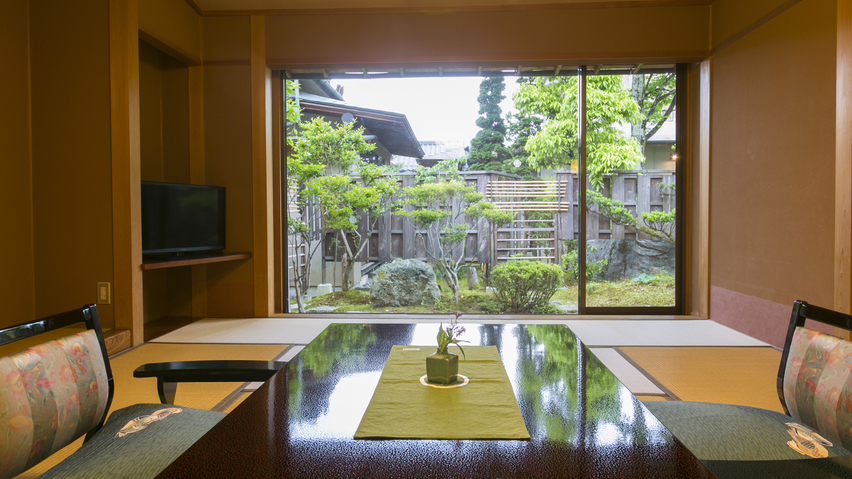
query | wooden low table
[582, 421]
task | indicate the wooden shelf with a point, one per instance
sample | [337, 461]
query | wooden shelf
[188, 262]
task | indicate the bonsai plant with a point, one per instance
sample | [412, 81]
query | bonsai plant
[443, 366]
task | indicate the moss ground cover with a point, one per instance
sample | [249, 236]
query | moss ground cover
[645, 290]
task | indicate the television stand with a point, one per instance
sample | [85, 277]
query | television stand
[191, 259]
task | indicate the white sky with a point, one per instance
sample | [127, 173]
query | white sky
[443, 109]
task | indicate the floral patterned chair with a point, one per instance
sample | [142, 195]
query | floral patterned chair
[815, 390]
[62, 389]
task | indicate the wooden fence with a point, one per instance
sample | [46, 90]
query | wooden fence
[547, 212]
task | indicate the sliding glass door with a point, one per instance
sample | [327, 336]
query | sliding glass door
[630, 155]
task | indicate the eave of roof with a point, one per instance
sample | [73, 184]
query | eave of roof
[392, 129]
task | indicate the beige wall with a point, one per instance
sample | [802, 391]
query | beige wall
[772, 193]
[71, 154]
[16, 221]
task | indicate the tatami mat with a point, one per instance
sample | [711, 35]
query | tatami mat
[593, 333]
[615, 333]
[130, 390]
[247, 331]
[727, 375]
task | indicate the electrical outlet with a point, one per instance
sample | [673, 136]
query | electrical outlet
[103, 293]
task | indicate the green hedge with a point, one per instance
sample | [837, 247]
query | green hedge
[522, 286]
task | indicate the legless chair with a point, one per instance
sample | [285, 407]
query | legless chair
[60, 390]
[814, 386]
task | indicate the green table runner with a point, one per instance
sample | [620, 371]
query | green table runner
[404, 408]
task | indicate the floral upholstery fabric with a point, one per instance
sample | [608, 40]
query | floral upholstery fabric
[51, 395]
[818, 384]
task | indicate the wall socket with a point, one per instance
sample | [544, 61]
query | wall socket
[104, 293]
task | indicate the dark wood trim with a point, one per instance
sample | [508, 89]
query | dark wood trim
[454, 9]
[195, 7]
[188, 262]
[581, 185]
[682, 148]
[472, 61]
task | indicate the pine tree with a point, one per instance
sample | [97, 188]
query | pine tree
[487, 146]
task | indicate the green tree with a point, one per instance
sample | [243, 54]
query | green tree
[520, 129]
[487, 146]
[347, 201]
[328, 198]
[556, 101]
[443, 206]
[655, 95]
[658, 224]
[292, 112]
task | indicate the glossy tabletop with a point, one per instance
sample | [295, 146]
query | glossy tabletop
[582, 421]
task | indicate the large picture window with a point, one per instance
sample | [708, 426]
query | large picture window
[561, 198]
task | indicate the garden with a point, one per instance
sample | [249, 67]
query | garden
[526, 287]
[337, 199]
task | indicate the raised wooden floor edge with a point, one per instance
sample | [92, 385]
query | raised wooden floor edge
[117, 341]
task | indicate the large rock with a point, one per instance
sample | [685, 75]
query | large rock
[405, 282]
[629, 258]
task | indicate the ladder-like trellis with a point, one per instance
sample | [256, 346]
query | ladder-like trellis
[526, 238]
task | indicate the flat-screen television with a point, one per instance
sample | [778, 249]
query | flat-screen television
[182, 218]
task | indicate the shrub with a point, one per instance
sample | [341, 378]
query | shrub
[524, 285]
[571, 266]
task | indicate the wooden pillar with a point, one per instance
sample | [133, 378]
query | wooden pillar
[126, 169]
[261, 154]
[197, 176]
[843, 162]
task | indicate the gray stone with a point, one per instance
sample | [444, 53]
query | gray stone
[472, 277]
[404, 282]
[567, 308]
[324, 288]
[629, 258]
[364, 284]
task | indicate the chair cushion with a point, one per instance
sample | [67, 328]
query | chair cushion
[138, 441]
[51, 394]
[738, 433]
[818, 384]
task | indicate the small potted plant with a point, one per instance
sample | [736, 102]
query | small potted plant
[442, 366]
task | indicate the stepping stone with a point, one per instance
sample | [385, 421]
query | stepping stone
[567, 308]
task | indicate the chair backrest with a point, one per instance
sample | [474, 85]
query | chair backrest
[815, 375]
[54, 392]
